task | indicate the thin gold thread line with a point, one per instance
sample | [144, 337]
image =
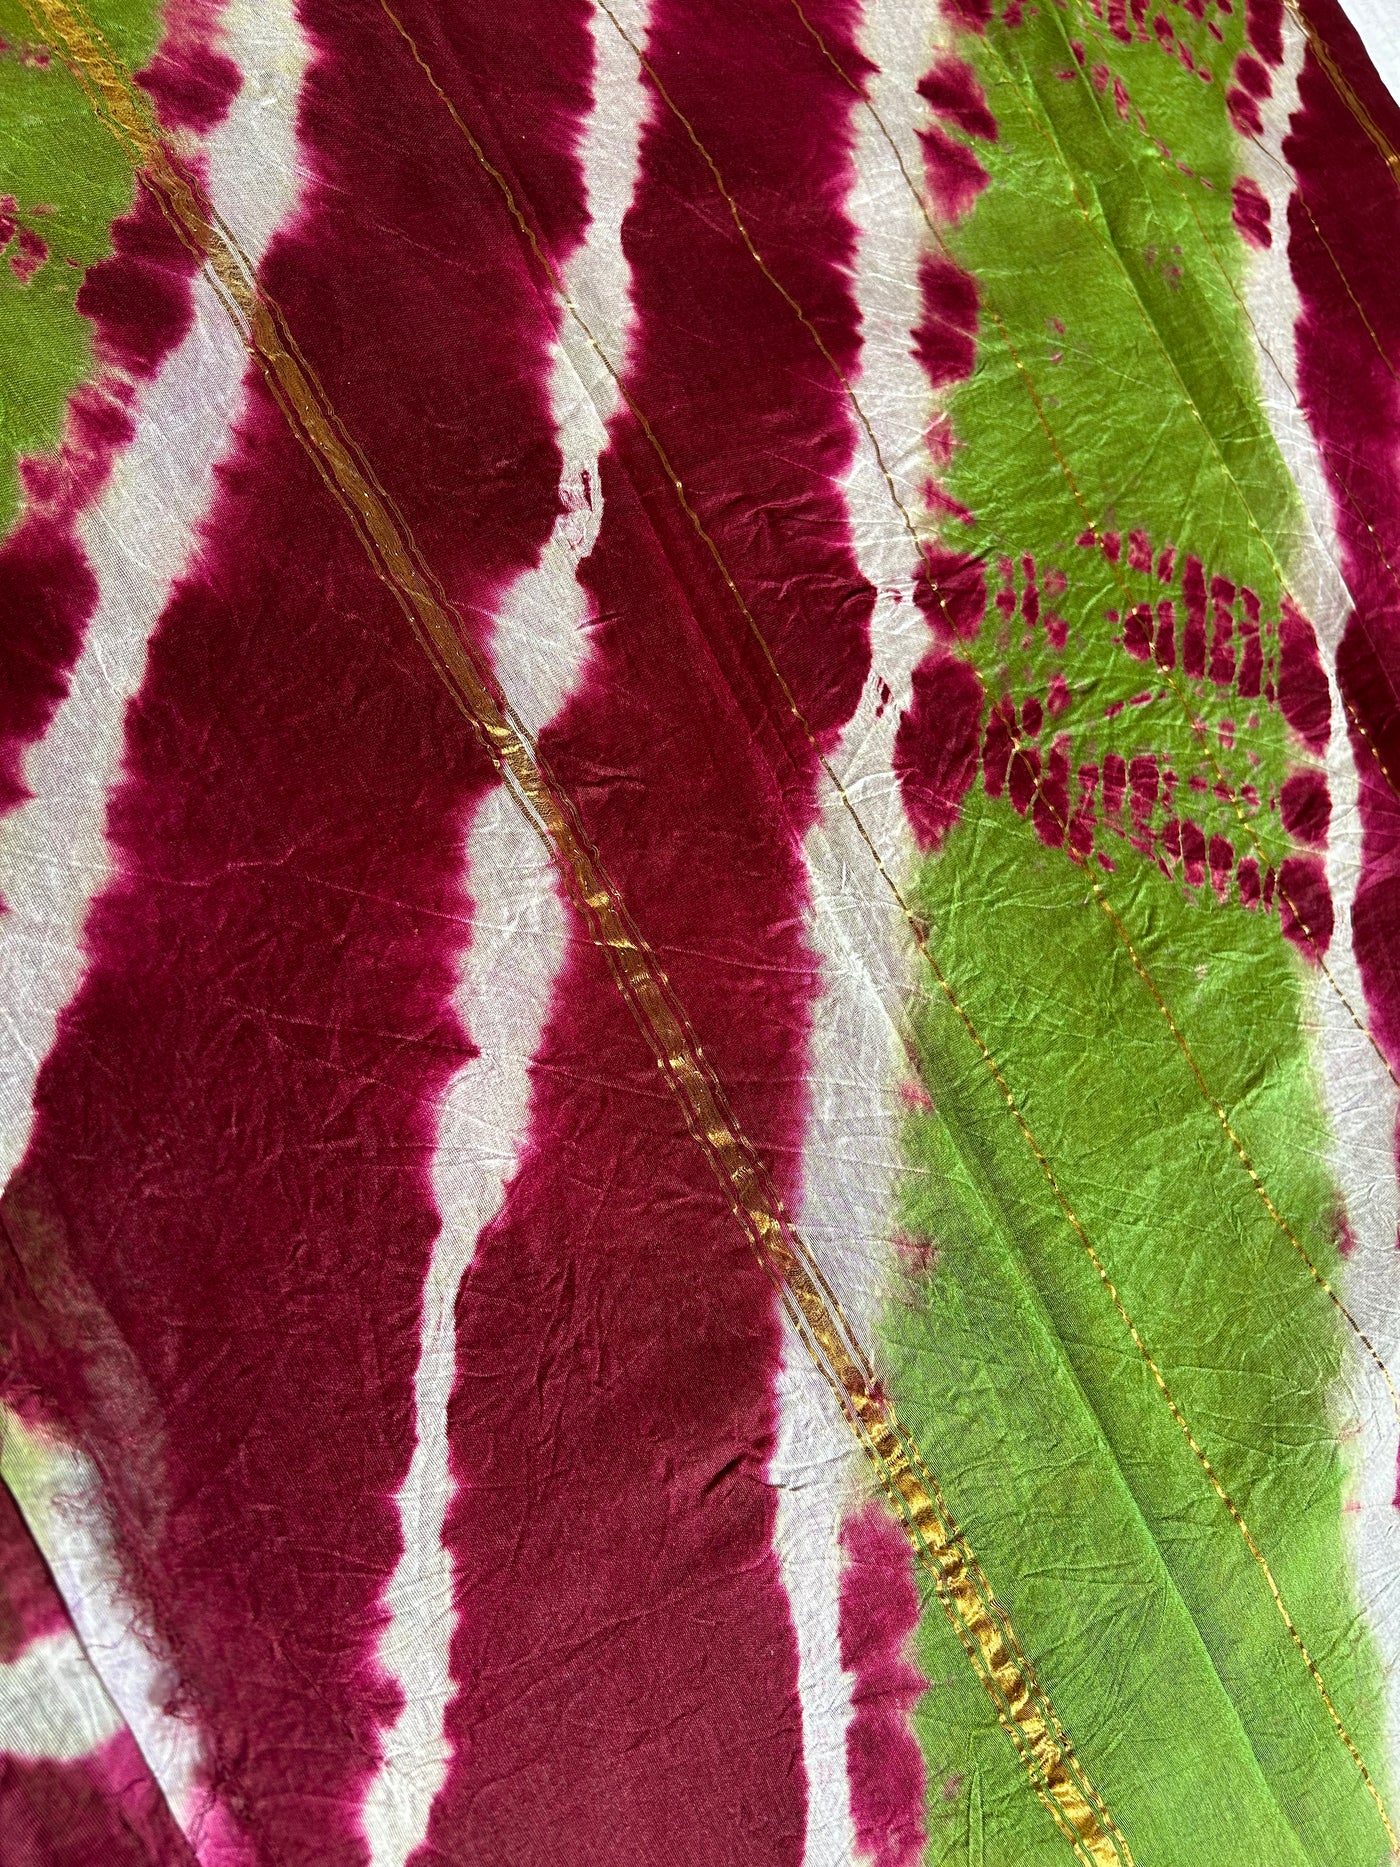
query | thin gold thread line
[1046, 1167]
[1301, 198]
[1298, 194]
[1342, 86]
[394, 556]
[1278, 1218]
[1322, 445]
[1250, 1543]
[933, 1549]
[920, 545]
[1183, 1424]
[1126, 595]
[1047, 136]
[1375, 750]
[1116, 921]
[1174, 679]
[1275, 1215]
[557, 281]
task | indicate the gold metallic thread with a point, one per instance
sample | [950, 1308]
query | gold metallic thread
[913, 921]
[991, 1645]
[1323, 54]
[919, 932]
[1392, 160]
[1139, 965]
[1173, 675]
[921, 546]
[1100, 1270]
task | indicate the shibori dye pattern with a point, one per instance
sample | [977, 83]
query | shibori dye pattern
[913, 493]
[74, 1786]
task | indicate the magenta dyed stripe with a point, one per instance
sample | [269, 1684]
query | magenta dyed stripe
[936, 747]
[29, 1603]
[940, 736]
[626, 1662]
[140, 305]
[102, 1811]
[233, 1138]
[1344, 233]
[879, 1611]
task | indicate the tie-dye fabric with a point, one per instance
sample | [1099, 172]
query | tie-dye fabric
[700, 957]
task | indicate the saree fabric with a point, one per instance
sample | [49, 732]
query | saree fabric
[700, 956]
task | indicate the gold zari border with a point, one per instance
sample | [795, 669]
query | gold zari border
[997, 1657]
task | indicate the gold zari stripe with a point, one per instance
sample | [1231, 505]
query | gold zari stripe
[986, 1634]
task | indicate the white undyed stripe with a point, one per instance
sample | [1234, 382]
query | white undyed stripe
[1358, 1092]
[519, 927]
[53, 1706]
[54, 856]
[851, 1151]
[61, 1496]
[518, 940]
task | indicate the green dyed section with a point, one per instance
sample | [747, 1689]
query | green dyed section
[1114, 277]
[1127, 1581]
[69, 181]
[1150, 1624]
